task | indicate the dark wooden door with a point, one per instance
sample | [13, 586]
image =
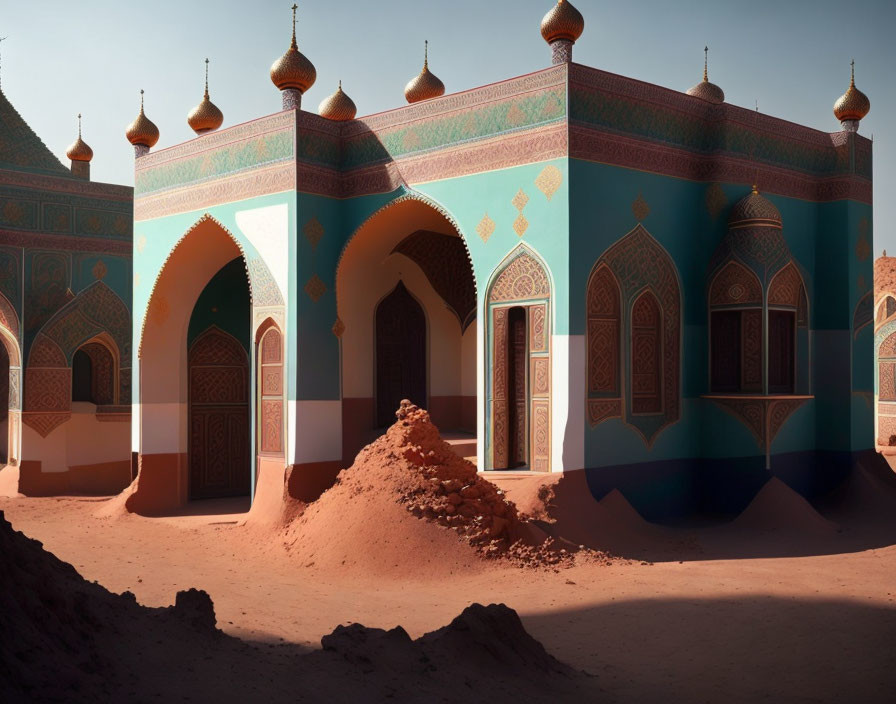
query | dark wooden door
[218, 416]
[400, 354]
[517, 387]
[781, 349]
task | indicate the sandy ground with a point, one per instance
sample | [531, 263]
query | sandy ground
[806, 616]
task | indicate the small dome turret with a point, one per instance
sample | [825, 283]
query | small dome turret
[426, 85]
[561, 28]
[705, 90]
[338, 107]
[79, 149]
[293, 73]
[206, 116]
[853, 105]
[142, 132]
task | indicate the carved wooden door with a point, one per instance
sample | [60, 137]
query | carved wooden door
[218, 416]
[400, 354]
[517, 388]
[781, 347]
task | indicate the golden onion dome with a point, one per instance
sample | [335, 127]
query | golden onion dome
[206, 116]
[705, 90]
[755, 210]
[563, 21]
[425, 85]
[79, 149]
[338, 107]
[853, 104]
[293, 69]
[142, 131]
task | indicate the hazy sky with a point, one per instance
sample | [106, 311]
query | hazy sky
[94, 56]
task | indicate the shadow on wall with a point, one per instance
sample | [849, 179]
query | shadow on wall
[759, 648]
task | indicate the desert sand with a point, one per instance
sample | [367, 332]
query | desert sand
[787, 602]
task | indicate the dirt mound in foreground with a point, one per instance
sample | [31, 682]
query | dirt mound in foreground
[410, 506]
[779, 508]
[65, 639]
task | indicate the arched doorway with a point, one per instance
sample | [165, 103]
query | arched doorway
[400, 353]
[519, 360]
[191, 402]
[218, 386]
[406, 301]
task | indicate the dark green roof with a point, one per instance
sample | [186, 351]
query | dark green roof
[20, 148]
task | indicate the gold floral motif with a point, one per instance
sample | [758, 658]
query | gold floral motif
[520, 225]
[715, 199]
[338, 328]
[100, 270]
[136, 279]
[520, 200]
[315, 288]
[640, 208]
[141, 243]
[314, 232]
[485, 228]
[549, 180]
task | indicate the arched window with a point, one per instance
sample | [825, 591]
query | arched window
[93, 375]
[647, 355]
[634, 373]
[886, 359]
[735, 300]
[785, 298]
[270, 390]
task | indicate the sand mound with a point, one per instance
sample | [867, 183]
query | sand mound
[565, 509]
[65, 639]
[410, 506]
[779, 508]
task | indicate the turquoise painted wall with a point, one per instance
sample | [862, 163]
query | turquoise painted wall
[224, 303]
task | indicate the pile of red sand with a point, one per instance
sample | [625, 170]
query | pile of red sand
[778, 508]
[64, 639]
[409, 505]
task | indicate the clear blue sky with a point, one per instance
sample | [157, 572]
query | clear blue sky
[93, 56]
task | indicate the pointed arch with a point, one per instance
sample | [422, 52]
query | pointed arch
[786, 287]
[640, 264]
[519, 363]
[271, 386]
[647, 354]
[734, 284]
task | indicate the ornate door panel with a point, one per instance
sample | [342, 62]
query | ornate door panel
[500, 420]
[539, 389]
[781, 347]
[647, 355]
[219, 416]
[725, 351]
[270, 390]
[400, 354]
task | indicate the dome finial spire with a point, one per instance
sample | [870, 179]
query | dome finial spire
[426, 53]
[79, 125]
[852, 73]
[206, 77]
[294, 8]
[426, 84]
[706, 64]
[206, 116]
[705, 90]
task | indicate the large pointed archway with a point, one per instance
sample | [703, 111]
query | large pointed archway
[406, 299]
[200, 301]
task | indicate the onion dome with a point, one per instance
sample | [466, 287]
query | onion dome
[755, 210]
[338, 107]
[426, 85]
[563, 21]
[293, 69]
[853, 104]
[705, 90]
[79, 149]
[142, 131]
[206, 116]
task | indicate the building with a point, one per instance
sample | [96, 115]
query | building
[65, 319]
[883, 314]
[572, 270]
